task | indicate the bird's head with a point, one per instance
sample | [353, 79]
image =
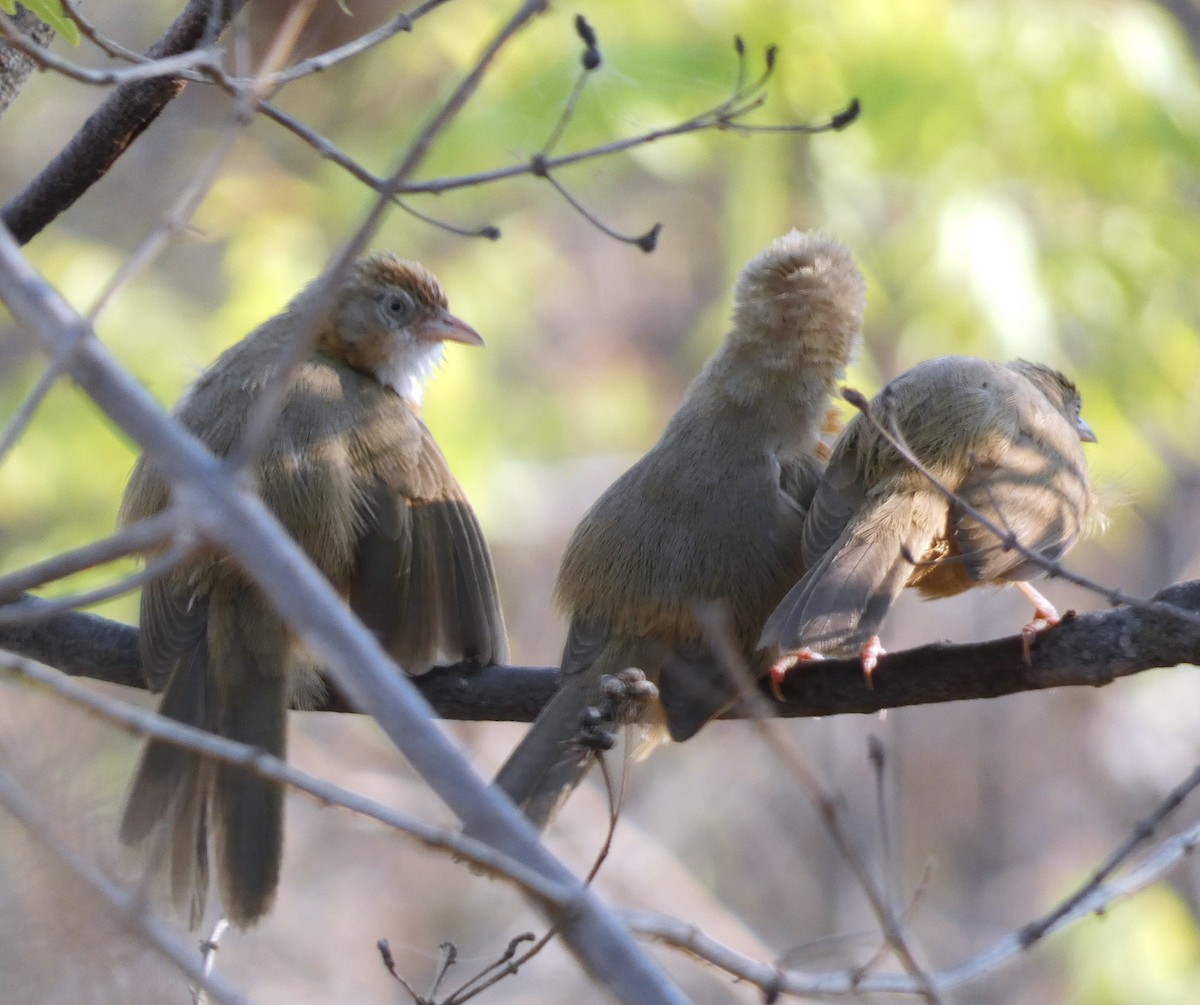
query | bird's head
[1060, 390]
[802, 296]
[390, 319]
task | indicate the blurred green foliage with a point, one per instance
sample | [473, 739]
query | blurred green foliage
[1145, 951]
[1024, 180]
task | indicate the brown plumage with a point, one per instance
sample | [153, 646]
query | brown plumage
[712, 514]
[1007, 439]
[354, 476]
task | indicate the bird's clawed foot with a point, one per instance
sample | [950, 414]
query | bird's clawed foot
[780, 668]
[869, 657]
[1044, 616]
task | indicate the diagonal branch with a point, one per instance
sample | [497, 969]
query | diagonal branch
[236, 521]
[108, 132]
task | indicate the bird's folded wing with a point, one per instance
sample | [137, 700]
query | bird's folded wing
[423, 579]
[840, 494]
[173, 623]
[1036, 490]
[842, 600]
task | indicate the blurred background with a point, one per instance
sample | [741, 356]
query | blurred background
[1024, 180]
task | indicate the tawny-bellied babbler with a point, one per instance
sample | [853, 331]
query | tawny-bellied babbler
[713, 514]
[355, 477]
[1006, 440]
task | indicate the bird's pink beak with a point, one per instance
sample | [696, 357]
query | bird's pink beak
[445, 327]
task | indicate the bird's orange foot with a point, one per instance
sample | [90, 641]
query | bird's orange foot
[1044, 616]
[780, 668]
[869, 657]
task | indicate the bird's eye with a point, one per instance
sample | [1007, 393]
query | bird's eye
[397, 306]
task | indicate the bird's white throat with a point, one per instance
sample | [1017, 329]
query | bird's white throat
[406, 371]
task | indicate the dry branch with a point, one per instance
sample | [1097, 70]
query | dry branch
[119, 121]
[1087, 650]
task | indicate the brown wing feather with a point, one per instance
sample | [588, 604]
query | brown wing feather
[842, 600]
[423, 578]
[1035, 488]
[173, 621]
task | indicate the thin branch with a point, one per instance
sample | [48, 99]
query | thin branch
[143, 722]
[208, 950]
[24, 414]
[123, 905]
[110, 130]
[24, 611]
[714, 623]
[101, 41]
[176, 220]
[1142, 833]
[320, 63]
[726, 115]
[136, 539]
[854, 985]
[167, 66]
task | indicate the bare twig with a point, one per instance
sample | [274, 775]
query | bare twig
[124, 905]
[108, 132]
[22, 612]
[714, 622]
[389, 963]
[176, 220]
[1142, 833]
[101, 41]
[24, 414]
[140, 537]
[1093, 897]
[143, 722]
[167, 66]
[854, 985]
[208, 952]
[320, 63]
[726, 115]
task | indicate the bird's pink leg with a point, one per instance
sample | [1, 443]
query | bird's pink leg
[1044, 616]
[781, 666]
[869, 657]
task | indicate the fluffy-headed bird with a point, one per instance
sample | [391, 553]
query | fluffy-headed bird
[355, 477]
[1006, 439]
[712, 514]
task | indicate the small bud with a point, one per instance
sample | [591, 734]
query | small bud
[649, 240]
[585, 31]
[846, 116]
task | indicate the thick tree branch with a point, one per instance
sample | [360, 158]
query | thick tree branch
[119, 121]
[1088, 650]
